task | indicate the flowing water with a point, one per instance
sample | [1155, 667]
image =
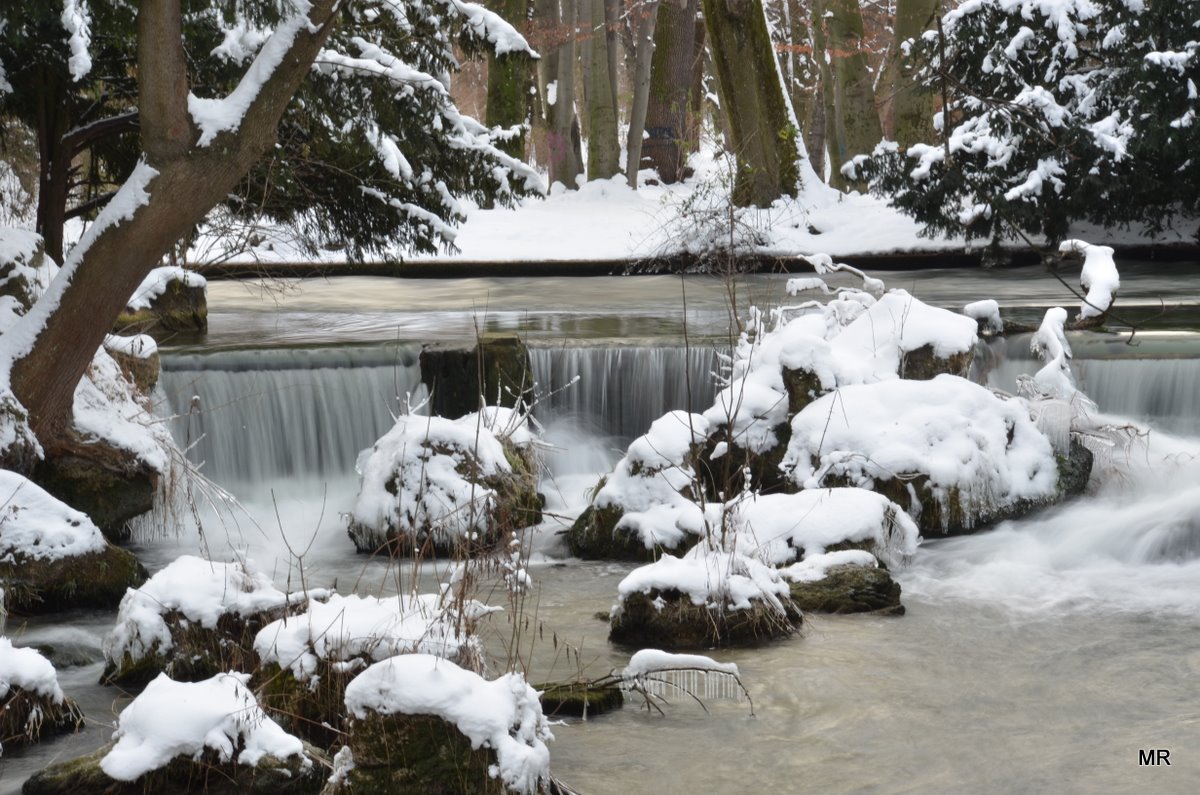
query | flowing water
[1040, 656]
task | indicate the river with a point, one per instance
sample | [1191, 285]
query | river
[1040, 656]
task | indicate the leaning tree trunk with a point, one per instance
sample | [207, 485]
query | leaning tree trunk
[912, 103]
[645, 17]
[60, 335]
[668, 106]
[856, 119]
[508, 97]
[604, 149]
[762, 136]
[556, 76]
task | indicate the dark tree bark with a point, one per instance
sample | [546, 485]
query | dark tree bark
[762, 136]
[67, 326]
[509, 81]
[669, 106]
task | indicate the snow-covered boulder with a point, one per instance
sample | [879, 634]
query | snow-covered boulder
[210, 736]
[53, 557]
[31, 701]
[434, 486]
[709, 597]
[422, 724]
[646, 504]
[308, 659]
[954, 454]
[169, 300]
[812, 349]
[192, 619]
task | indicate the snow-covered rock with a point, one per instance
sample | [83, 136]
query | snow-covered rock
[170, 299]
[191, 619]
[953, 453]
[437, 486]
[1099, 277]
[33, 703]
[496, 737]
[53, 557]
[709, 597]
[646, 504]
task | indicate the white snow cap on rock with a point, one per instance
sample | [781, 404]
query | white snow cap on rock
[28, 670]
[157, 281]
[707, 576]
[37, 526]
[201, 590]
[960, 434]
[647, 482]
[171, 719]
[986, 312]
[776, 528]
[1099, 276]
[816, 567]
[504, 714]
[346, 627]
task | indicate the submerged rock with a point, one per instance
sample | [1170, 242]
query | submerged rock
[578, 700]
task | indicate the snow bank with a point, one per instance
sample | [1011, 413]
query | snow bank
[348, 627]
[201, 590]
[725, 580]
[959, 434]
[776, 528]
[504, 715]
[157, 282]
[649, 482]
[108, 407]
[37, 526]
[171, 719]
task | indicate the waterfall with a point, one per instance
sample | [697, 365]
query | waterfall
[253, 415]
[622, 389]
[1164, 392]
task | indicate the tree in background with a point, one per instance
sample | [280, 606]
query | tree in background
[510, 83]
[555, 27]
[404, 150]
[763, 137]
[1081, 110]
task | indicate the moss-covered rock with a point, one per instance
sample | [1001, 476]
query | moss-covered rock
[923, 364]
[595, 536]
[850, 589]
[179, 308]
[207, 774]
[578, 700]
[725, 476]
[196, 652]
[419, 754]
[93, 580]
[109, 485]
[671, 620]
[314, 710]
[142, 368]
[495, 371]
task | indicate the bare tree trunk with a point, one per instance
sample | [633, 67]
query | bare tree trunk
[762, 135]
[856, 119]
[668, 105]
[508, 81]
[604, 148]
[803, 76]
[645, 16]
[64, 329]
[911, 105]
[556, 74]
